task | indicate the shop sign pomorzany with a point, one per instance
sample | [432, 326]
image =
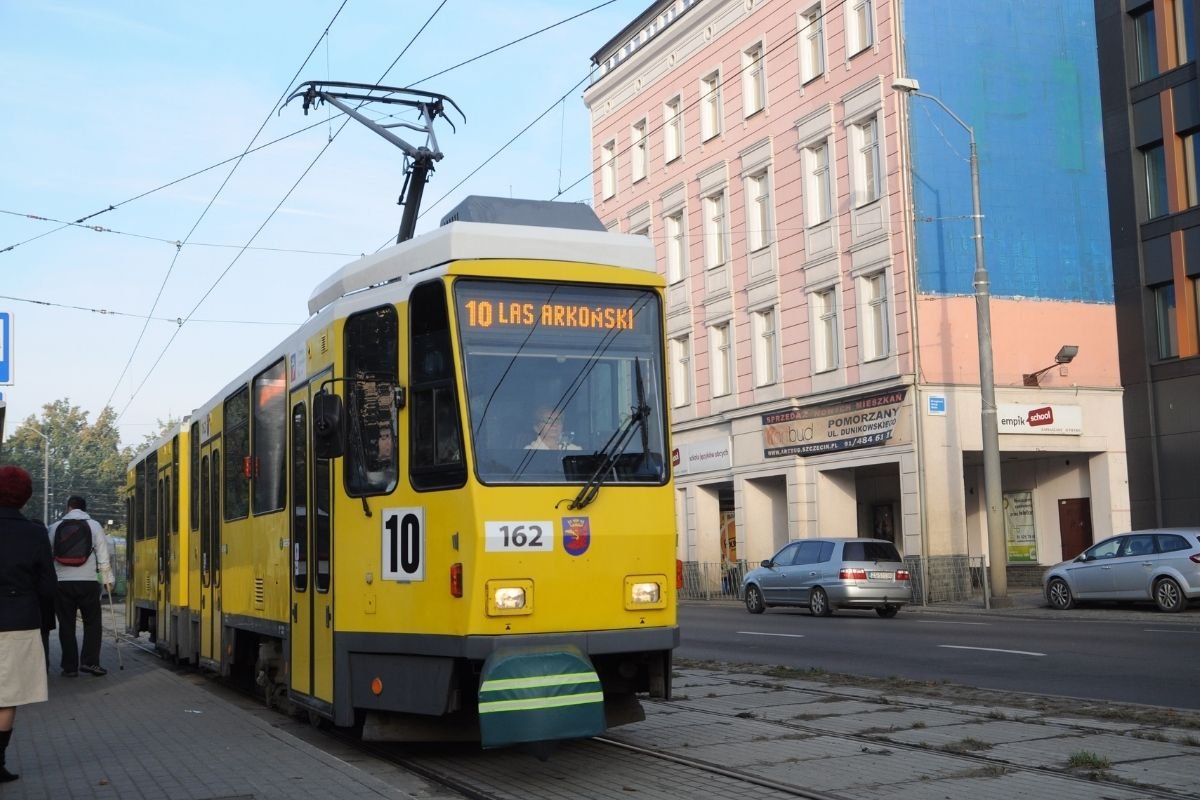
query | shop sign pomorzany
[859, 422]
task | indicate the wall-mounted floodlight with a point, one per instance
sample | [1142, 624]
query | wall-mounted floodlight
[1065, 355]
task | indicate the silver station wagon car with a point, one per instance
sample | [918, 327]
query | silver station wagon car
[1162, 565]
[825, 574]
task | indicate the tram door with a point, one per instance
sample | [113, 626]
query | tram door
[311, 538]
[163, 517]
[210, 552]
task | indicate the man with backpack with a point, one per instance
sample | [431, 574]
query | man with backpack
[80, 551]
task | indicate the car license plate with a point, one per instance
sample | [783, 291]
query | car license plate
[881, 576]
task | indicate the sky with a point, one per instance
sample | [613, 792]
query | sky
[152, 307]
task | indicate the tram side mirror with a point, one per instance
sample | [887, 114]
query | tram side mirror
[329, 425]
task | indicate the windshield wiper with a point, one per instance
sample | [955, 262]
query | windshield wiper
[616, 444]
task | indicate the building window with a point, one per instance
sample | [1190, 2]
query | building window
[766, 359]
[758, 211]
[608, 169]
[642, 231]
[1195, 284]
[710, 106]
[722, 360]
[1191, 155]
[865, 139]
[672, 129]
[873, 316]
[1147, 47]
[714, 230]
[1155, 164]
[824, 321]
[675, 252]
[812, 44]
[1185, 30]
[681, 361]
[818, 184]
[637, 151]
[754, 80]
[860, 26]
[1167, 327]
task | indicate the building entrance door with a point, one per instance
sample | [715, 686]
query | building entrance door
[1074, 525]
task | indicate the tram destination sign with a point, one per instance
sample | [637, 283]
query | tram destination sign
[487, 313]
[865, 421]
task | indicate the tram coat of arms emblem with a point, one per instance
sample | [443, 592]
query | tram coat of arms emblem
[577, 535]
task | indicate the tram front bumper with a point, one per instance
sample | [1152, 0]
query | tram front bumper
[532, 694]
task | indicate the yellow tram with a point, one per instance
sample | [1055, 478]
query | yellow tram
[158, 559]
[443, 507]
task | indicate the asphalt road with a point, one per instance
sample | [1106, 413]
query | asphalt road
[1147, 661]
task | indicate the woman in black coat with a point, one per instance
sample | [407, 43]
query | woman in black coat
[27, 582]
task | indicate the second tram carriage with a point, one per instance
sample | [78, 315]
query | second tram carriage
[367, 524]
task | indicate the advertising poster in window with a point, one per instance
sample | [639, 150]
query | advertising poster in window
[1019, 532]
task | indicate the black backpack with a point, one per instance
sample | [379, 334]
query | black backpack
[72, 542]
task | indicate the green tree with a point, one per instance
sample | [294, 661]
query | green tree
[163, 429]
[83, 459]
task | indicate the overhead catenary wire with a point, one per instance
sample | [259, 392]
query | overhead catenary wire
[168, 185]
[275, 210]
[204, 213]
[489, 159]
[80, 222]
[107, 312]
[175, 242]
[327, 121]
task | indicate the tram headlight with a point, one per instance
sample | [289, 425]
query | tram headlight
[645, 591]
[509, 598]
[642, 593]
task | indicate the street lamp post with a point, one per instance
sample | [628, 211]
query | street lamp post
[45, 478]
[997, 549]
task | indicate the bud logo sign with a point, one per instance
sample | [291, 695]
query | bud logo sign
[1015, 418]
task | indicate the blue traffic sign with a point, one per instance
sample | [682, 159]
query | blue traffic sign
[5, 348]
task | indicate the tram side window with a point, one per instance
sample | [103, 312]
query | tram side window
[194, 491]
[237, 454]
[150, 531]
[435, 432]
[270, 438]
[139, 503]
[372, 349]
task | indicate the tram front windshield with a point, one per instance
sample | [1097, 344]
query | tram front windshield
[562, 380]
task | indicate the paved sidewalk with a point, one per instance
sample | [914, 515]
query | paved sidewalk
[146, 731]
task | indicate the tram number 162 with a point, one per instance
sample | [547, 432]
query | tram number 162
[403, 544]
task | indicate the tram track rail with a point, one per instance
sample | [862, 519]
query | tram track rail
[876, 741]
[622, 758]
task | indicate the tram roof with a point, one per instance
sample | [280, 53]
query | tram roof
[459, 241]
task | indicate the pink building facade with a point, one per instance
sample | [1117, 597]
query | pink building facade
[815, 389]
